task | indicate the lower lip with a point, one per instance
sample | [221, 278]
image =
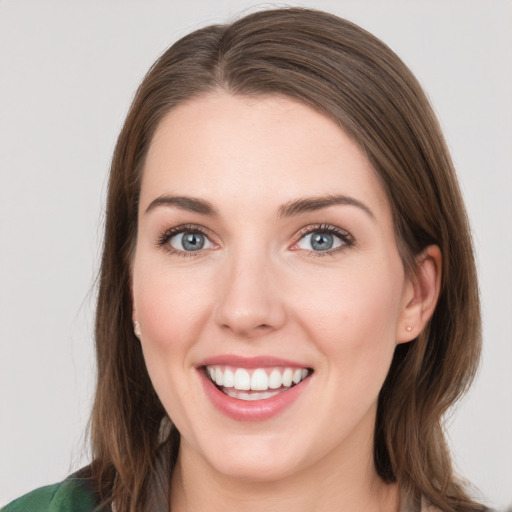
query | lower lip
[255, 410]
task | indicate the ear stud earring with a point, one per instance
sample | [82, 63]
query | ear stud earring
[136, 329]
[408, 328]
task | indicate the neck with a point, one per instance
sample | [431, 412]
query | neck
[332, 484]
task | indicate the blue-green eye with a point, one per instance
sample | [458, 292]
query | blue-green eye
[190, 241]
[320, 241]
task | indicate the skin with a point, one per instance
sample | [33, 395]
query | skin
[258, 288]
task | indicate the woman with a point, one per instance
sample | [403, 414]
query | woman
[287, 300]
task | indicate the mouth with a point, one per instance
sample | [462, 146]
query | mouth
[252, 384]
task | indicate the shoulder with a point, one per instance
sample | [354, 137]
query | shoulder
[72, 495]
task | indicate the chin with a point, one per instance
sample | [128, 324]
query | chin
[254, 460]
[256, 468]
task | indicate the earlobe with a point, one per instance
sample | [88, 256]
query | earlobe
[136, 325]
[420, 295]
[136, 329]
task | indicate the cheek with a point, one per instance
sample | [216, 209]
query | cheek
[352, 315]
[170, 309]
[169, 305]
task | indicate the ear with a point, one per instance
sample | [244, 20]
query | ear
[135, 321]
[136, 325]
[421, 291]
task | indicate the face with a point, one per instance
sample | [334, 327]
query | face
[267, 285]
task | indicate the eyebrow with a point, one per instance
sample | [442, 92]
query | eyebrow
[190, 204]
[311, 204]
[295, 207]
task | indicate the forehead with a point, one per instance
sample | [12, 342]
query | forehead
[258, 150]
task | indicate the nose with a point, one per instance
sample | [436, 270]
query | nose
[251, 299]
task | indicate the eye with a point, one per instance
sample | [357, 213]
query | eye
[323, 239]
[185, 240]
[319, 241]
[190, 241]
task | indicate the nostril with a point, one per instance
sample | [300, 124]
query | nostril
[249, 307]
[247, 329]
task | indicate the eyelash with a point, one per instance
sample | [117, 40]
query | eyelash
[347, 239]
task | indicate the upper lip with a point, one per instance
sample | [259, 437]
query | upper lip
[250, 362]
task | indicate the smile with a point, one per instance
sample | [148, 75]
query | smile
[253, 388]
[254, 384]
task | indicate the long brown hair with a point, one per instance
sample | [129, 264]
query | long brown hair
[353, 78]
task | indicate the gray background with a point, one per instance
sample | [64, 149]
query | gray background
[68, 70]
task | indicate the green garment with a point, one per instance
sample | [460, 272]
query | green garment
[72, 495]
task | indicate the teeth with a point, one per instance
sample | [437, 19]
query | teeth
[297, 376]
[242, 379]
[287, 377]
[244, 395]
[228, 379]
[219, 376]
[258, 379]
[275, 380]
